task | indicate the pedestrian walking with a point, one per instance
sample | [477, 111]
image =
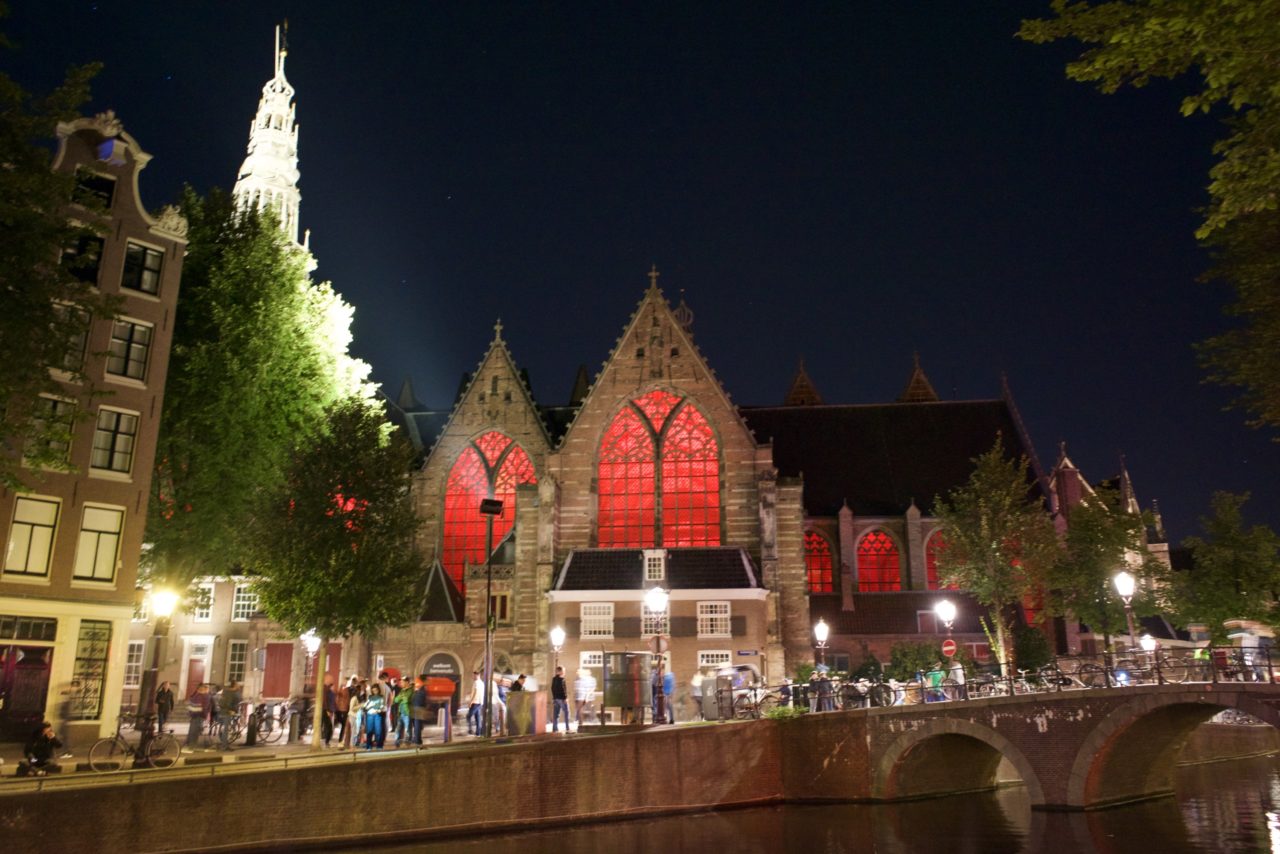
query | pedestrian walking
[198, 705]
[584, 694]
[559, 701]
[474, 704]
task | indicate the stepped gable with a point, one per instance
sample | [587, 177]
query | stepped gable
[879, 457]
[724, 567]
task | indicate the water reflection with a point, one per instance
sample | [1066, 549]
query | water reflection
[1222, 808]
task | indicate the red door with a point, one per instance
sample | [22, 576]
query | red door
[195, 674]
[333, 663]
[277, 671]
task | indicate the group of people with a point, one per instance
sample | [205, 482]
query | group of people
[206, 708]
[365, 712]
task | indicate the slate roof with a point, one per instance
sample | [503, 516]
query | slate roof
[442, 601]
[881, 457]
[687, 569]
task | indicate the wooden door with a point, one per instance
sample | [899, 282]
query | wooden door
[277, 671]
[195, 674]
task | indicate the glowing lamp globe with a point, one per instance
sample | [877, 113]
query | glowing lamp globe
[656, 600]
[1148, 643]
[163, 602]
[1125, 584]
[557, 637]
[946, 611]
[821, 631]
[311, 642]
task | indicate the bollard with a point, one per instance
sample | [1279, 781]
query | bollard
[251, 731]
[293, 728]
[447, 735]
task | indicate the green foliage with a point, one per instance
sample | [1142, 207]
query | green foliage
[332, 546]
[908, 657]
[783, 713]
[44, 307]
[803, 671]
[1233, 47]
[259, 352]
[1102, 539]
[999, 539]
[1236, 573]
[1031, 648]
[869, 668]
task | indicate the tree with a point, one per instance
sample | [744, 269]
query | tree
[1235, 572]
[1234, 48]
[259, 352]
[332, 547]
[44, 306]
[999, 539]
[1101, 540]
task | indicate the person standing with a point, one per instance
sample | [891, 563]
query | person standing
[584, 694]
[375, 716]
[355, 717]
[340, 716]
[401, 702]
[198, 705]
[330, 712]
[695, 691]
[418, 710]
[164, 704]
[559, 701]
[474, 704]
[228, 710]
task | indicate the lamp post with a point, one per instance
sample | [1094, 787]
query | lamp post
[656, 601]
[945, 610]
[489, 507]
[821, 631]
[1125, 585]
[557, 644]
[311, 643]
[162, 604]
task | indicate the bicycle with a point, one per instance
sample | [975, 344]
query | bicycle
[1086, 675]
[110, 754]
[271, 725]
[752, 704]
[990, 685]
[211, 736]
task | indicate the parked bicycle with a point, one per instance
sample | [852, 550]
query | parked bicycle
[272, 722]
[755, 702]
[111, 753]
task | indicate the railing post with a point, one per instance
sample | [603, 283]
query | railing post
[1159, 673]
[1213, 664]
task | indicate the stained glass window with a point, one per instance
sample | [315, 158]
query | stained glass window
[491, 466]
[878, 565]
[661, 445]
[817, 563]
[932, 549]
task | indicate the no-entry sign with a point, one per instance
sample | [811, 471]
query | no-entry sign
[948, 647]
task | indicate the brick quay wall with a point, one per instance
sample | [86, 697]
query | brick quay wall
[533, 783]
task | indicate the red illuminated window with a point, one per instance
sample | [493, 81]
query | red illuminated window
[657, 445]
[932, 549]
[491, 466]
[878, 564]
[817, 561]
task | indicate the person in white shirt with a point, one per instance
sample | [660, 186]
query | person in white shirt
[475, 706]
[584, 694]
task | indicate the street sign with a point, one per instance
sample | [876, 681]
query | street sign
[748, 652]
[657, 644]
[948, 647]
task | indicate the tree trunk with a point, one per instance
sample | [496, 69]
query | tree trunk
[317, 715]
[1002, 644]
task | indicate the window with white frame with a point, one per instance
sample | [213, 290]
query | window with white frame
[140, 611]
[597, 620]
[133, 663]
[130, 344]
[714, 657]
[714, 620]
[113, 439]
[655, 564]
[244, 603]
[237, 657]
[591, 659]
[141, 268]
[99, 546]
[655, 622]
[203, 610]
[31, 536]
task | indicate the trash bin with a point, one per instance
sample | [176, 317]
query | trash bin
[710, 708]
[724, 697]
[294, 720]
[627, 682]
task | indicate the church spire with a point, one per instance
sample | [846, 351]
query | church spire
[919, 389]
[803, 392]
[269, 175]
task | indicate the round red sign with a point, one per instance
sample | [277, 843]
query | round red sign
[948, 647]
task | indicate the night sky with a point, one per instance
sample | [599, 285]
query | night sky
[849, 183]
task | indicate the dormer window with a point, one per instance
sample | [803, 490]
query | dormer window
[655, 564]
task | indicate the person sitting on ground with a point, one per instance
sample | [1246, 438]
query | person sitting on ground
[39, 752]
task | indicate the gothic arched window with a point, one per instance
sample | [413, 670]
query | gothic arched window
[878, 565]
[659, 471]
[932, 549]
[817, 563]
[492, 466]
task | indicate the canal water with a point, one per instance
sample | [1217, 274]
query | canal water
[1223, 807]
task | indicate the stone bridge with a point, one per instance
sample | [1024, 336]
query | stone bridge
[1073, 750]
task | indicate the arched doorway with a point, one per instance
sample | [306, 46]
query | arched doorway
[445, 665]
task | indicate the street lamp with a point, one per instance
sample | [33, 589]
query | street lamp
[162, 604]
[1125, 585]
[656, 601]
[1148, 644]
[489, 507]
[557, 644]
[821, 631]
[945, 610]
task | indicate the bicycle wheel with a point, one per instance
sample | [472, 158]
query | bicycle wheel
[1173, 669]
[164, 751]
[1126, 672]
[768, 703]
[950, 689]
[108, 754]
[269, 729]
[742, 707]
[235, 729]
[881, 695]
[1092, 675]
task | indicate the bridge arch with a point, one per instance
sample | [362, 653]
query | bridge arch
[1133, 752]
[948, 756]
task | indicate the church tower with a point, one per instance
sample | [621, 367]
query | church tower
[269, 175]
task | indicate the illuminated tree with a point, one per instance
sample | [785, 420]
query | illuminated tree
[1000, 541]
[259, 352]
